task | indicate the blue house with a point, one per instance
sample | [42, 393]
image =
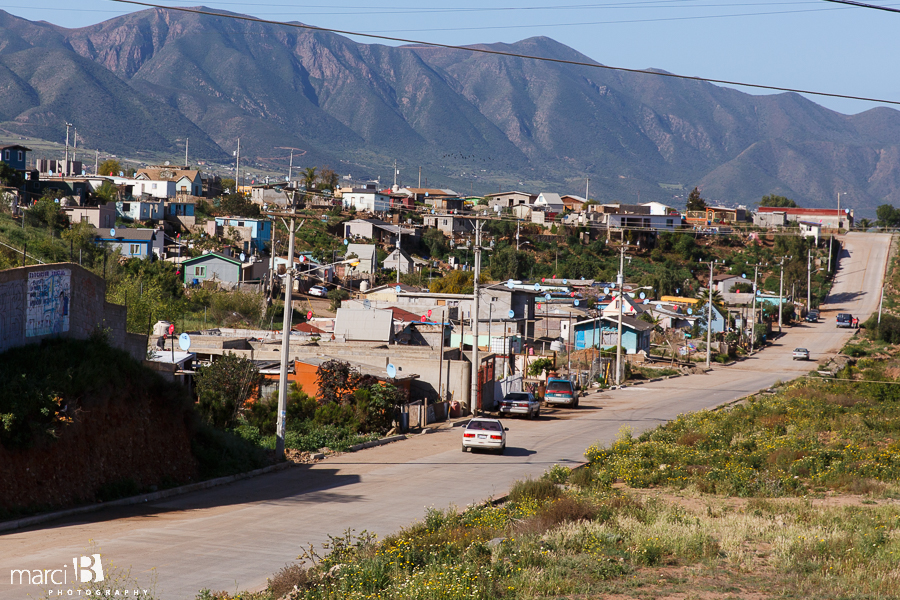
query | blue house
[212, 267]
[14, 156]
[605, 332]
[133, 243]
[719, 323]
[257, 233]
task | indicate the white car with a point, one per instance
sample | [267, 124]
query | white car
[521, 403]
[801, 354]
[318, 290]
[489, 434]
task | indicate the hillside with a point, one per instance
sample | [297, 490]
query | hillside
[147, 80]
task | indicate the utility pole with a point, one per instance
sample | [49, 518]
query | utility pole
[709, 313]
[569, 349]
[808, 280]
[781, 291]
[66, 167]
[237, 172]
[285, 338]
[187, 142]
[518, 226]
[473, 402]
[753, 326]
[399, 254]
[587, 190]
[420, 177]
[395, 175]
[620, 281]
[96, 162]
[75, 146]
[291, 166]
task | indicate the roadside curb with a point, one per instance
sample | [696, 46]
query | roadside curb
[373, 443]
[175, 491]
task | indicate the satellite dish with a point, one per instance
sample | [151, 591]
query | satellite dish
[606, 290]
[537, 287]
[391, 371]
[243, 257]
[677, 290]
[184, 341]
[565, 282]
[367, 304]
[346, 241]
[543, 280]
[397, 289]
[424, 319]
[582, 277]
[539, 306]
[511, 314]
[646, 301]
[112, 233]
[429, 312]
[690, 311]
[171, 329]
[643, 295]
[576, 303]
[743, 275]
[302, 258]
[510, 284]
[496, 208]
[547, 296]
[309, 314]
[556, 346]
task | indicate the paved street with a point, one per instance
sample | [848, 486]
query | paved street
[234, 536]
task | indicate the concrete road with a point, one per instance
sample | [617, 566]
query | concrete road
[233, 537]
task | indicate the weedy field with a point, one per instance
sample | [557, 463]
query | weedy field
[793, 495]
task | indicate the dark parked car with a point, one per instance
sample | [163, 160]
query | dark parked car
[812, 316]
[561, 391]
[844, 320]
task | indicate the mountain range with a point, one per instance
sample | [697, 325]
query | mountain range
[145, 81]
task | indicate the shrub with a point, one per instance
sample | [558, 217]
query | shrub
[221, 453]
[223, 387]
[535, 489]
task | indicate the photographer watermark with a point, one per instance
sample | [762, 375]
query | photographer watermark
[86, 574]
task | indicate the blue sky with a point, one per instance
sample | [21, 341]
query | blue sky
[805, 44]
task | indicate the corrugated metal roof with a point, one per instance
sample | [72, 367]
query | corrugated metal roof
[364, 325]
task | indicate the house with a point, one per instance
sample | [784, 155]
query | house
[719, 322]
[304, 372]
[629, 307]
[729, 286]
[367, 199]
[270, 193]
[573, 202]
[133, 243]
[660, 209]
[809, 229]
[141, 210]
[549, 202]
[181, 212]
[157, 189]
[212, 267]
[98, 216]
[373, 325]
[644, 222]
[378, 231]
[15, 156]
[256, 234]
[604, 332]
[421, 195]
[716, 215]
[367, 255]
[57, 168]
[829, 218]
[188, 182]
[671, 316]
[510, 199]
[444, 202]
[398, 259]
[449, 225]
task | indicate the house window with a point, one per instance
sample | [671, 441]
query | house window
[20, 155]
[200, 271]
[126, 207]
[6, 155]
[106, 220]
[135, 249]
[240, 223]
[446, 221]
[84, 218]
[153, 186]
[669, 222]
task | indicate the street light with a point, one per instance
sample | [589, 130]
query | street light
[66, 167]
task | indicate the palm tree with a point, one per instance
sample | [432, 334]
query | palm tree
[717, 301]
[309, 178]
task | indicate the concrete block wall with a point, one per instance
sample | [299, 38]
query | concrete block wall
[71, 304]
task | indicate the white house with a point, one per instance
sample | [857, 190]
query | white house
[549, 202]
[367, 199]
[658, 208]
[629, 307]
[367, 255]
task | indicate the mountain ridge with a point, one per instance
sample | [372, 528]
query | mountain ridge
[151, 78]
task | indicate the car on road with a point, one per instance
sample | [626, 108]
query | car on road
[801, 354]
[484, 433]
[844, 320]
[318, 290]
[812, 316]
[561, 391]
[520, 403]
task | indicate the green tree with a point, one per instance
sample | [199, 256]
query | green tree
[887, 216]
[337, 295]
[309, 178]
[47, 212]
[228, 183]
[695, 203]
[238, 205]
[777, 201]
[718, 302]
[337, 380]
[328, 179]
[107, 192]
[436, 243]
[110, 166]
[224, 387]
[454, 282]
[9, 176]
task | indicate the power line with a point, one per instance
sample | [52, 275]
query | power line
[482, 50]
[864, 5]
